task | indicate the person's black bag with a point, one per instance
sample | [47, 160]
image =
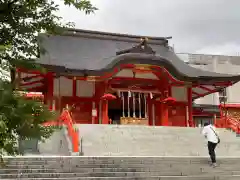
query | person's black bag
[216, 135]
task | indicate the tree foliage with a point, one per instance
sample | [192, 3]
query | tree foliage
[22, 20]
[20, 118]
[20, 23]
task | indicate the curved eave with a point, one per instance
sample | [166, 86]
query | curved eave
[177, 68]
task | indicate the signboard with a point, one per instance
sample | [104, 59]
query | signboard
[94, 112]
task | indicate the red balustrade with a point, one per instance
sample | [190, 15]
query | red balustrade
[233, 124]
[66, 119]
[229, 118]
[72, 132]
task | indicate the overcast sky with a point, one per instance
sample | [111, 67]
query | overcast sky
[197, 26]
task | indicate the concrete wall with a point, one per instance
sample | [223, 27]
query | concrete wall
[57, 144]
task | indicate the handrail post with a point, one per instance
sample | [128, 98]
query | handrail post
[238, 130]
[81, 147]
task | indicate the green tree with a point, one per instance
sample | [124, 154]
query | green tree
[20, 118]
[20, 23]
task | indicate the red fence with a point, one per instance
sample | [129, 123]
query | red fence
[66, 119]
[230, 117]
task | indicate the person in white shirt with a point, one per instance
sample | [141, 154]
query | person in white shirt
[212, 137]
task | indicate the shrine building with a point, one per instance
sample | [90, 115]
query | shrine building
[116, 78]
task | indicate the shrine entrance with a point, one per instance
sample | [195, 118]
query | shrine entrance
[129, 108]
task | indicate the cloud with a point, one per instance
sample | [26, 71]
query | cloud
[232, 49]
[194, 25]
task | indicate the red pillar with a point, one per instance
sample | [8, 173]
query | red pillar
[225, 116]
[169, 90]
[50, 85]
[97, 109]
[190, 111]
[215, 120]
[95, 112]
[99, 104]
[105, 119]
[164, 114]
[222, 117]
[158, 114]
[186, 116]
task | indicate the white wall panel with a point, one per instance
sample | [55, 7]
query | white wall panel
[85, 88]
[66, 86]
[179, 93]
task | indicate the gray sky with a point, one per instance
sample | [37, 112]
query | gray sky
[197, 26]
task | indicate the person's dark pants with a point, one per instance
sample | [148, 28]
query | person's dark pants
[211, 151]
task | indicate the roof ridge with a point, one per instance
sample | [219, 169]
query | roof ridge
[93, 32]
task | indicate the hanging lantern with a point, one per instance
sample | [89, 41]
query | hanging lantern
[108, 97]
[32, 95]
[169, 100]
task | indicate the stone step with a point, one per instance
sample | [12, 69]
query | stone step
[125, 168]
[116, 174]
[159, 171]
[107, 163]
[143, 178]
[162, 168]
[120, 159]
[127, 178]
[138, 167]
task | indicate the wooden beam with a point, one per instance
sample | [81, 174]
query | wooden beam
[133, 80]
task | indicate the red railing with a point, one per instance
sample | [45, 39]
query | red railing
[233, 124]
[72, 132]
[227, 120]
[66, 119]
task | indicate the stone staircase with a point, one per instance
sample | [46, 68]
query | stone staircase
[129, 140]
[130, 153]
[119, 168]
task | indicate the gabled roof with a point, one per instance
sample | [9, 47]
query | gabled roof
[92, 53]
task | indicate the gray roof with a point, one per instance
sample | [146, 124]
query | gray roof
[81, 52]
